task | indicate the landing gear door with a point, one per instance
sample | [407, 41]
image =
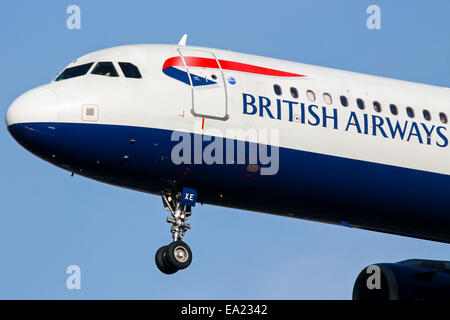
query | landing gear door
[209, 96]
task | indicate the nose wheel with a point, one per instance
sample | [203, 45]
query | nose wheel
[177, 255]
[162, 262]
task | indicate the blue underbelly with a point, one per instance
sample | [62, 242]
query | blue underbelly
[308, 185]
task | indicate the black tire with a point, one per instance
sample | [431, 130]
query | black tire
[179, 254]
[162, 262]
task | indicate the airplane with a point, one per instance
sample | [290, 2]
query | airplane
[210, 126]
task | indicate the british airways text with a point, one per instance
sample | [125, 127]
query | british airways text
[355, 122]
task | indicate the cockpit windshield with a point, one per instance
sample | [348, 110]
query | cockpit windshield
[130, 70]
[105, 69]
[73, 72]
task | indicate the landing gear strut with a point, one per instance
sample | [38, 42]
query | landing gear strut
[177, 255]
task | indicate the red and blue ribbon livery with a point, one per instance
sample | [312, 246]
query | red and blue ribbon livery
[171, 69]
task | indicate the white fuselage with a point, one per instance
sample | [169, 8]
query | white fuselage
[236, 91]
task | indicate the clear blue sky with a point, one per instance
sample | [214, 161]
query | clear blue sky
[49, 221]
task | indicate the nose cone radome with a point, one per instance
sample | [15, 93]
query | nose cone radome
[31, 120]
[37, 105]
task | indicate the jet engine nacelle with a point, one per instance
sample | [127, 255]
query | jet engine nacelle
[406, 280]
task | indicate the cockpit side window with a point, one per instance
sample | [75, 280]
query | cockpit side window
[130, 70]
[105, 69]
[73, 72]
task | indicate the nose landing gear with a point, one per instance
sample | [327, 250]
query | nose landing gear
[177, 255]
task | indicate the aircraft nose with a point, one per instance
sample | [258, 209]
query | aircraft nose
[31, 120]
[37, 105]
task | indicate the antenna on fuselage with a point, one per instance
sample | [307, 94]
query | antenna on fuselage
[182, 41]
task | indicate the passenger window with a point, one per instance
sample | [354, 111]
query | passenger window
[443, 117]
[377, 106]
[427, 115]
[311, 95]
[360, 103]
[344, 101]
[105, 69]
[410, 112]
[294, 93]
[73, 72]
[394, 109]
[277, 89]
[131, 71]
[327, 98]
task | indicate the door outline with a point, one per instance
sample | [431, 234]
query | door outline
[224, 118]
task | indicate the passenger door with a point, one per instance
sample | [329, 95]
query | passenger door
[209, 97]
